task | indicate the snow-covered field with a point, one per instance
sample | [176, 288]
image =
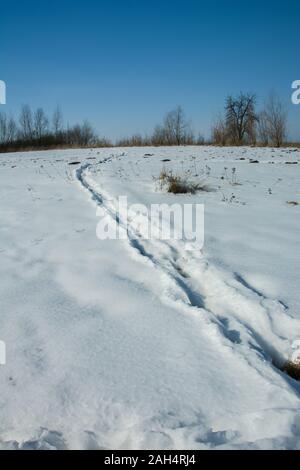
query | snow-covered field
[125, 344]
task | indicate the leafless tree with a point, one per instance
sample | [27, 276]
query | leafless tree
[8, 129]
[57, 121]
[26, 123]
[12, 130]
[159, 136]
[87, 134]
[41, 123]
[3, 128]
[275, 120]
[263, 128]
[81, 135]
[219, 132]
[177, 130]
[240, 118]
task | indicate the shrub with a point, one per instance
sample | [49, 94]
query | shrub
[178, 185]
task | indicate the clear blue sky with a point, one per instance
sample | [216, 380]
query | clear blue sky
[123, 63]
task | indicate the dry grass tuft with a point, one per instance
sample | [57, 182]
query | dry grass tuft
[292, 369]
[178, 185]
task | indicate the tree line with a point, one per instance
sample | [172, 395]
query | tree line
[33, 129]
[240, 124]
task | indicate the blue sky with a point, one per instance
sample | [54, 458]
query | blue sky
[123, 64]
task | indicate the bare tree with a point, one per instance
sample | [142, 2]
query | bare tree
[175, 130]
[82, 135]
[275, 120]
[87, 134]
[219, 132]
[263, 128]
[57, 121]
[158, 136]
[8, 129]
[3, 128]
[12, 130]
[240, 118]
[41, 123]
[251, 128]
[176, 127]
[26, 123]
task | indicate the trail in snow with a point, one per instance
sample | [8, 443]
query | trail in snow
[248, 319]
[138, 343]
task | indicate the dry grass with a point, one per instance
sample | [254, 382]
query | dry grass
[178, 185]
[163, 175]
[292, 369]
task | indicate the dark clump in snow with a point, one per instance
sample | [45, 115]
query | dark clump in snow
[293, 370]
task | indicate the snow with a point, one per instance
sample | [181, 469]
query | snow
[140, 344]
